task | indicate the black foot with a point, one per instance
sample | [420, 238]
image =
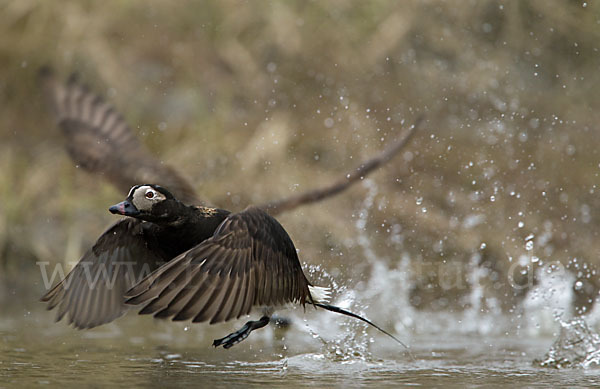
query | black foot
[237, 336]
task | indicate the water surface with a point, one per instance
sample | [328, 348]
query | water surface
[139, 351]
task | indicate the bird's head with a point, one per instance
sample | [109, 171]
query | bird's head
[147, 202]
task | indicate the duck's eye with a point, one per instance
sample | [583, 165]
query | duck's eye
[150, 194]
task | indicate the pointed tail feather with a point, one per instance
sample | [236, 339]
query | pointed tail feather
[342, 311]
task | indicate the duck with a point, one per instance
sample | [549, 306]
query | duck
[187, 262]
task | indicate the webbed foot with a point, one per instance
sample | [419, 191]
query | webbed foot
[237, 336]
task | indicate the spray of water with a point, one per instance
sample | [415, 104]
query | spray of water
[384, 298]
[548, 306]
[576, 346]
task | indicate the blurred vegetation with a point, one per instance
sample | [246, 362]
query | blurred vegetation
[253, 101]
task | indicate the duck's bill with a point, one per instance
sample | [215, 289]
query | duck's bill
[125, 208]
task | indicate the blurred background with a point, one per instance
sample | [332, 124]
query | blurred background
[256, 101]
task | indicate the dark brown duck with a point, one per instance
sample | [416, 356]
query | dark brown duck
[195, 263]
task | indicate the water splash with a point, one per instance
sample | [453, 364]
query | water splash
[548, 306]
[347, 347]
[350, 340]
[577, 346]
[385, 292]
[550, 301]
[362, 238]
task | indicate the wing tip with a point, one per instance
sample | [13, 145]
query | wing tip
[178, 317]
[134, 299]
[147, 310]
[135, 292]
[51, 293]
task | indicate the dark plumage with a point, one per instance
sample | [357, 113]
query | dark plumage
[250, 261]
[215, 265]
[187, 263]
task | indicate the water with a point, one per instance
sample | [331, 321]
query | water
[537, 345]
[576, 346]
[319, 349]
[72, 359]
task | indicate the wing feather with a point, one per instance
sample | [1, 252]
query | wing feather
[230, 307]
[175, 292]
[249, 261]
[99, 139]
[93, 292]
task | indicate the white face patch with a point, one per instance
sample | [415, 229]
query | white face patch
[145, 197]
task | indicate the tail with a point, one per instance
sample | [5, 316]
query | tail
[335, 309]
[319, 294]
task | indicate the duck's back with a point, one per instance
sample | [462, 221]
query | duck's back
[171, 240]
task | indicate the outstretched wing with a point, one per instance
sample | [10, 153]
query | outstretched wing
[99, 140]
[92, 293]
[249, 261]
